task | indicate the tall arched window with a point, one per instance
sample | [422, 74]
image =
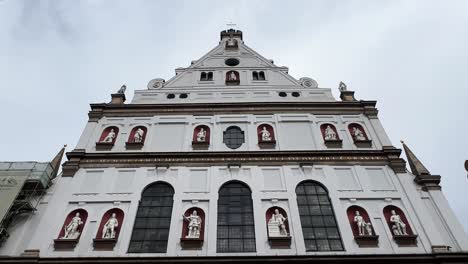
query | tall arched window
[151, 227]
[236, 230]
[318, 221]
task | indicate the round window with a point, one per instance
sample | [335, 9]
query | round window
[282, 94]
[232, 62]
[170, 96]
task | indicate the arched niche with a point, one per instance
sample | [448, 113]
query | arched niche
[232, 78]
[108, 137]
[104, 238]
[137, 136]
[330, 135]
[359, 135]
[195, 239]
[71, 230]
[361, 225]
[276, 219]
[402, 234]
[266, 136]
[201, 137]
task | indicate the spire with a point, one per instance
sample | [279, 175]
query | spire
[423, 176]
[55, 163]
[417, 168]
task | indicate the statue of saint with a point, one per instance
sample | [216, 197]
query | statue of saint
[138, 137]
[201, 135]
[398, 227]
[277, 223]
[364, 228]
[122, 89]
[108, 231]
[71, 230]
[342, 87]
[358, 134]
[330, 133]
[265, 135]
[194, 225]
[232, 76]
[110, 137]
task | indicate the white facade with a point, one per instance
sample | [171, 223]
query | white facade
[97, 187]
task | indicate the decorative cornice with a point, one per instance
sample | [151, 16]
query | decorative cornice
[79, 159]
[140, 110]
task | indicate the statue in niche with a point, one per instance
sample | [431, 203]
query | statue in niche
[110, 137]
[71, 230]
[194, 225]
[231, 43]
[276, 225]
[358, 134]
[232, 76]
[364, 229]
[108, 231]
[138, 137]
[122, 89]
[330, 133]
[201, 135]
[266, 136]
[398, 227]
[342, 87]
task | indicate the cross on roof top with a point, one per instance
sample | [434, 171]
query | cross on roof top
[230, 24]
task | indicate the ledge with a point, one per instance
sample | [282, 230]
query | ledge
[134, 145]
[334, 143]
[200, 145]
[406, 240]
[65, 244]
[267, 144]
[236, 82]
[280, 242]
[104, 145]
[191, 243]
[104, 244]
[367, 241]
[363, 143]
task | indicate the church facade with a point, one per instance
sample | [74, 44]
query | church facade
[235, 160]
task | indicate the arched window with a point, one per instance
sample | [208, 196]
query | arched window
[153, 219]
[233, 137]
[255, 76]
[203, 76]
[261, 76]
[210, 76]
[318, 221]
[137, 135]
[109, 135]
[232, 78]
[201, 137]
[236, 230]
[266, 136]
[71, 230]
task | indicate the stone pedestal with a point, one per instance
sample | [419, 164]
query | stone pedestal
[191, 243]
[104, 145]
[65, 244]
[134, 145]
[406, 240]
[200, 145]
[363, 143]
[367, 241]
[117, 98]
[280, 242]
[267, 144]
[104, 243]
[338, 143]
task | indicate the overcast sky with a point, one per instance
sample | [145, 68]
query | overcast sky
[57, 57]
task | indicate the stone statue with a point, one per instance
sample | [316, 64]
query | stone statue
[138, 137]
[108, 231]
[398, 227]
[194, 226]
[266, 136]
[110, 137]
[276, 225]
[364, 229]
[358, 134]
[201, 135]
[122, 89]
[71, 230]
[232, 76]
[342, 87]
[330, 133]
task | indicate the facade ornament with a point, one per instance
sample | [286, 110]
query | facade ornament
[330, 133]
[364, 228]
[122, 89]
[108, 231]
[358, 134]
[71, 230]
[342, 87]
[110, 137]
[201, 135]
[308, 82]
[194, 226]
[276, 225]
[138, 137]
[232, 76]
[398, 227]
[266, 136]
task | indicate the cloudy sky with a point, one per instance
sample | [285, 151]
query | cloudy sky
[56, 57]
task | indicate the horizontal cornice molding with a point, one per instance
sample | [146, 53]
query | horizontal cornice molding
[139, 110]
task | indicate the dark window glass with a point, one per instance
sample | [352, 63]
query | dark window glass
[151, 228]
[318, 222]
[261, 76]
[210, 76]
[183, 96]
[282, 94]
[203, 76]
[236, 230]
[255, 75]
[170, 96]
[233, 137]
[295, 94]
